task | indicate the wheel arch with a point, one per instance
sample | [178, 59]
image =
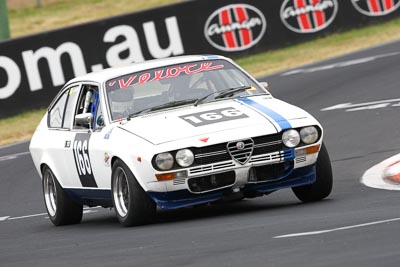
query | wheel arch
[47, 162]
[132, 169]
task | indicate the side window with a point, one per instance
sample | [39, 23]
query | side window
[73, 94]
[88, 103]
[57, 112]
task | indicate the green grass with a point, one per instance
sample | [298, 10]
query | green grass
[62, 13]
[22, 126]
[19, 127]
[322, 48]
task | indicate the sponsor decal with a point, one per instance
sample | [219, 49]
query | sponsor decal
[161, 74]
[24, 71]
[107, 159]
[235, 27]
[82, 160]
[308, 16]
[275, 118]
[108, 134]
[376, 7]
[213, 116]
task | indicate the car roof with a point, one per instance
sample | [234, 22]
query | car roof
[107, 74]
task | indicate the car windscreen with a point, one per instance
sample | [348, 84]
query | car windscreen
[135, 92]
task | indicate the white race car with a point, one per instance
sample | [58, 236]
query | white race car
[173, 133]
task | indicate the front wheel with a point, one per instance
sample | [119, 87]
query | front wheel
[322, 187]
[132, 205]
[60, 208]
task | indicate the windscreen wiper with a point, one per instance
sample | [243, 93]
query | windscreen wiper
[224, 93]
[162, 106]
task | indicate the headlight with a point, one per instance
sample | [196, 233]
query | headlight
[291, 138]
[165, 161]
[309, 135]
[184, 157]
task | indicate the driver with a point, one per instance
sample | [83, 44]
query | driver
[182, 89]
[121, 102]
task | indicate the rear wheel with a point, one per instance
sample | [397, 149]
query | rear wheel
[60, 208]
[132, 205]
[322, 187]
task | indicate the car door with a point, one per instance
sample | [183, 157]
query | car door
[80, 149]
[60, 143]
[80, 152]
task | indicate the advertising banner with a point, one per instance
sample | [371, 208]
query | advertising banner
[34, 68]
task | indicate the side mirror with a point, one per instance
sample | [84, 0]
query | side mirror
[84, 119]
[100, 121]
[265, 85]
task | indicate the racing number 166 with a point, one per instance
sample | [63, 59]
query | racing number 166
[82, 157]
[219, 115]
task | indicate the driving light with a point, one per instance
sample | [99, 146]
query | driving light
[309, 135]
[184, 157]
[291, 138]
[165, 161]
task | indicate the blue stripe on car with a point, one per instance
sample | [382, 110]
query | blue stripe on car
[281, 121]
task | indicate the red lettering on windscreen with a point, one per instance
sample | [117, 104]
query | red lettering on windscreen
[144, 78]
[167, 73]
[123, 84]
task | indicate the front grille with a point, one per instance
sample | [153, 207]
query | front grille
[241, 151]
[211, 154]
[211, 167]
[273, 157]
[217, 156]
[211, 182]
[217, 153]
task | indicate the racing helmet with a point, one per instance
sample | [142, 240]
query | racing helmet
[121, 101]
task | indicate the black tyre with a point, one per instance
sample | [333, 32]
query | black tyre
[132, 205]
[60, 208]
[322, 187]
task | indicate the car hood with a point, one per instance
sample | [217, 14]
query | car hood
[262, 113]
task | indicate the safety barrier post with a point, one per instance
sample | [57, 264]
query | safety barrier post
[4, 26]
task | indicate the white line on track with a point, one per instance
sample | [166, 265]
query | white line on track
[337, 229]
[86, 210]
[27, 216]
[340, 64]
[13, 156]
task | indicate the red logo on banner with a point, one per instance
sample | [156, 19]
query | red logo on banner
[376, 7]
[235, 27]
[307, 16]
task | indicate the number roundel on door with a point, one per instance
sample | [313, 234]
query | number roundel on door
[82, 160]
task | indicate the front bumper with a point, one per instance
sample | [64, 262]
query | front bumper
[183, 198]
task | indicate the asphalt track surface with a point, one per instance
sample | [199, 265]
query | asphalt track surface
[363, 223]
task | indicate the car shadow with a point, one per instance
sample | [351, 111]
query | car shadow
[226, 209]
